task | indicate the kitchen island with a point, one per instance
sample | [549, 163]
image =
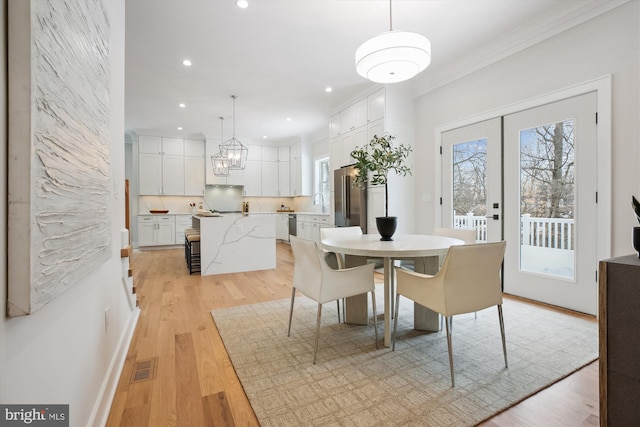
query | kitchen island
[232, 243]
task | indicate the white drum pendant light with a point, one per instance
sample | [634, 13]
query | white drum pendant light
[393, 56]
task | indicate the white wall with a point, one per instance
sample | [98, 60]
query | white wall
[608, 44]
[61, 353]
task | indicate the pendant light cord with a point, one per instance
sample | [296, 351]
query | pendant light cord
[390, 17]
[234, 116]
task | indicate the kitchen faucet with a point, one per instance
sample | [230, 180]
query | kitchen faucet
[321, 200]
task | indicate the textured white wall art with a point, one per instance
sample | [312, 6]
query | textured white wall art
[59, 148]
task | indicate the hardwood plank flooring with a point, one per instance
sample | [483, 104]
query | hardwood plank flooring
[195, 383]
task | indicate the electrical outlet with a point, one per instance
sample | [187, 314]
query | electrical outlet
[106, 320]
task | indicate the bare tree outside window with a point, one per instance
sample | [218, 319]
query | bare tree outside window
[547, 170]
[470, 178]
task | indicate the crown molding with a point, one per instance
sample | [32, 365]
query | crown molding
[554, 23]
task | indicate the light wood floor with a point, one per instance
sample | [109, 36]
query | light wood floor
[177, 372]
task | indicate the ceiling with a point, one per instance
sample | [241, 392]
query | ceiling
[278, 56]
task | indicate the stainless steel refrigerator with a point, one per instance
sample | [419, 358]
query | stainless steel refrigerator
[350, 201]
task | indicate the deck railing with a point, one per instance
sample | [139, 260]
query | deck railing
[556, 233]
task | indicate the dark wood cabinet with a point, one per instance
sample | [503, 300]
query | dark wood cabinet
[619, 323]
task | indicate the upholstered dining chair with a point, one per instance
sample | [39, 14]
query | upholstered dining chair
[334, 259]
[468, 281]
[338, 232]
[314, 278]
[467, 236]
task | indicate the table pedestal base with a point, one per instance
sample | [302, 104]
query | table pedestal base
[423, 318]
[357, 308]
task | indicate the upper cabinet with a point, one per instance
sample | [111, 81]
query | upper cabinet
[353, 128]
[353, 117]
[300, 154]
[334, 126]
[266, 173]
[194, 164]
[375, 106]
[170, 166]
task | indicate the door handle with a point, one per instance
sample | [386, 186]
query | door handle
[343, 198]
[495, 217]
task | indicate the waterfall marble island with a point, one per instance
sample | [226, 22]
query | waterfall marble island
[234, 242]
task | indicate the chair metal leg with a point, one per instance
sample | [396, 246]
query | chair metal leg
[338, 303]
[504, 342]
[446, 322]
[293, 297]
[375, 314]
[395, 324]
[315, 351]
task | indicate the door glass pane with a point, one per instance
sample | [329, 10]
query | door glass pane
[547, 196]
[469, 187]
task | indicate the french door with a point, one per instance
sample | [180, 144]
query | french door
[472, 191]
[539, 196]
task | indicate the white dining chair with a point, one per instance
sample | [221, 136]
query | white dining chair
[340, 261]
[314, 278]
[467, 236]
[468, 281]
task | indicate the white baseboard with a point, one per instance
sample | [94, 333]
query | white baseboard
[102, 406]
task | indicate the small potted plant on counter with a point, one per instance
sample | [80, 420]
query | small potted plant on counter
[374, 161]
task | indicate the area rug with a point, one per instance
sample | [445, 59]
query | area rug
[355, 384]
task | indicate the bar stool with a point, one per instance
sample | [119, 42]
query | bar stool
[187, 232]
[192, 249]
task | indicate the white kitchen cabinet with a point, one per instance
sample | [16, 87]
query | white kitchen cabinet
[173, 146]
[149, 144]
[269, 154]
[375, 128]
[284, 172]
[334, 126]
[282, 226]
[173, 175]
[194, 167]
[351, 140]
[251, 179]
[284, 175]
[194, 148]
[353, 117]
[146, 233]
[182, 223]
[235, 177]
[269, 179]
[164, 169]
[194, 176]
[375, 106]
[156, 230]
[308, 226]
[301, 169]
[150, 173]
[303, 227]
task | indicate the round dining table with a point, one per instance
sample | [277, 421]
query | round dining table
[425, 252]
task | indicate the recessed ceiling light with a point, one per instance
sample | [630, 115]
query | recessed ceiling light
[288, 119]
[182, 105]
[264, 136]
[242, 4]
[179, 127]
[328, 89]
[186, 63]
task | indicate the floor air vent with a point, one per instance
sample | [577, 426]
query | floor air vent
[144, 370]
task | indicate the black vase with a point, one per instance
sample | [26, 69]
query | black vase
[387, 226]
[636, 239]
